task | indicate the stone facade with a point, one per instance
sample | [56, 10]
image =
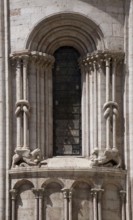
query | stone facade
[36, 183]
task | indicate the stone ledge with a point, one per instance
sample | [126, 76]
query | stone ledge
[66, 166]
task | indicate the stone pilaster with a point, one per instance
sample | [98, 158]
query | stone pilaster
[129, 115]
[2, 113]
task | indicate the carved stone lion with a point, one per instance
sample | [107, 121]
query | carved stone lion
[109, 158]
[26, 158]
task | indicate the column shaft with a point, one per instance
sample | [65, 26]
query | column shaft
[38, 106]
[100, 191]
[114, 99]
[36, 193]
[123, 205]
[25, 130]
[65, 196]
[25, 78]
[107, 100]
[87, 113]
[18, 80]
[41, 191]
[91, 111]
[70, 205]
[18, 98]
[95, 204]
[50, 112]
[46, 112]
[13, 203]
[83, 110]
[25, 97]
[95, 107]
[107, 80]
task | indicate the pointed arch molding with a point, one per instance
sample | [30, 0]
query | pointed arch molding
[67, 29]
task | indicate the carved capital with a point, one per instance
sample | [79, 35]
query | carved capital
[103, 56]
[94, 192]
[38, 193]
[13, 193]
[70, 194]
[65, 192]
[123, 195]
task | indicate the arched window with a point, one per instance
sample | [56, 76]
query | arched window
[66, 102]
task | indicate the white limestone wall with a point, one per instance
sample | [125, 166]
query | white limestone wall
[108, 15]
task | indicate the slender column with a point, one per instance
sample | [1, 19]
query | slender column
[114, 99]
[50, 111]
[25, 77]
[107, 100]
[18, 79]
[65, 196]
[70, 204]
[83, 105]
[91, 109]
[41, 193]
[123, 208]
[87, 112]
[95, 108]
[99, 105]
[18, 98]
[36, 193]
[42, 109]
[46, 111]
[38, 105]
[95, 202]
[13, 199]
[25, 97]
[100, 191]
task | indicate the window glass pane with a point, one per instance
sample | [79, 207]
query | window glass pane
[67, 102]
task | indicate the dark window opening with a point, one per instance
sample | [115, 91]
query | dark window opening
[66, 102]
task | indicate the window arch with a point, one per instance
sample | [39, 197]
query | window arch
[66, 102]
